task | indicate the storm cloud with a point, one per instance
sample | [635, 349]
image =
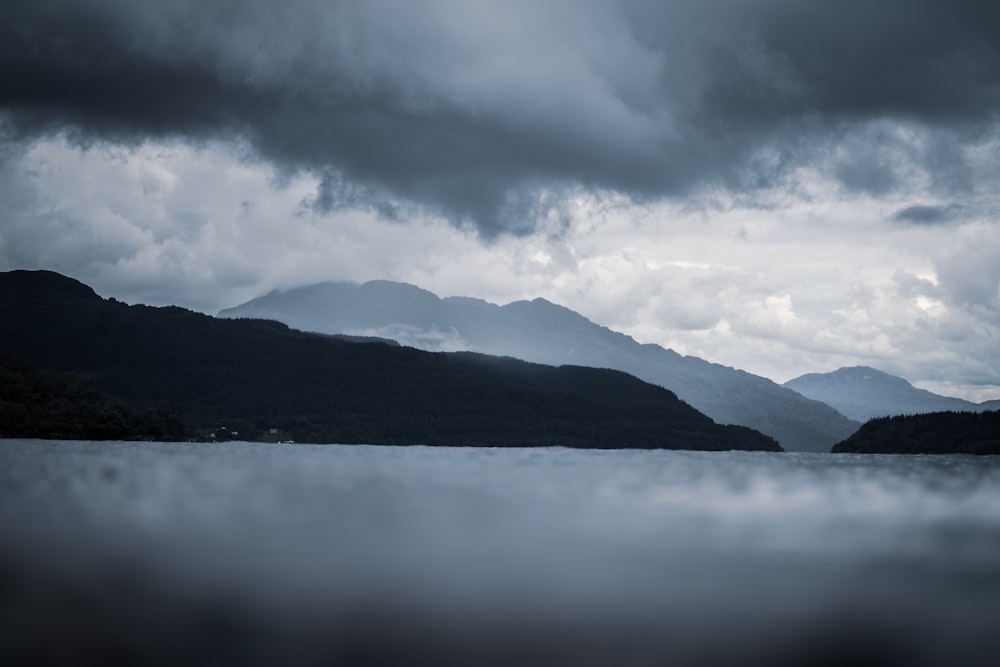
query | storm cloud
[489, 113]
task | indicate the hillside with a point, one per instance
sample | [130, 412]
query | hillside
[543, 332]
[254, 375]
[862, 393]
[36, 404]
[932, 433]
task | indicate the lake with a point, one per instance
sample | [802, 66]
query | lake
[240, 553]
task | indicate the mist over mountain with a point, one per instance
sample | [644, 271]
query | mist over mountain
[252, 376]
[863, 393]
[543, 332]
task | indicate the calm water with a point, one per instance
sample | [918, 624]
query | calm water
[257, 554]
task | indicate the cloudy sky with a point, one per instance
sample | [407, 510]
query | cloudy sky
[776, 185]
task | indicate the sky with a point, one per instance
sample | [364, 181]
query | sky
[779, 186]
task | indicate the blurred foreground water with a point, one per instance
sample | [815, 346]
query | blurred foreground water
[238, 553]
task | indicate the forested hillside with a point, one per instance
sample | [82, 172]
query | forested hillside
[252, 376]
[35, 404]
[932, 433]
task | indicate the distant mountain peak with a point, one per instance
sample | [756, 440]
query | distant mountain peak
[858, 374]
[862, 393]
[396, 287]
[866, 372]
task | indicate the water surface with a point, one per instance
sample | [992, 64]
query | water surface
[255, 553]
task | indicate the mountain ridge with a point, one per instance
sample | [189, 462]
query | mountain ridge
[253, 375]
[543, 332]
[863, 393]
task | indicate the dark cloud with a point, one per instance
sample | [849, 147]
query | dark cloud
[919, 214]
[867, 170]
[484, 112]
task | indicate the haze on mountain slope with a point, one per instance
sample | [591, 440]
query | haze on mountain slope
[544, 332]
[862, 393]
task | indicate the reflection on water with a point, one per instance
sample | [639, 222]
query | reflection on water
[248, 553]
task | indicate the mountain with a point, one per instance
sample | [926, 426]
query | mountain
[931, 433]
[251, 376]
[862, 393]
[543, 332]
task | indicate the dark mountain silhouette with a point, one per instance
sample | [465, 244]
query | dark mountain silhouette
[931, 433]
[863, 393]
[543, 332]
[255, 375]
[37, 404]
